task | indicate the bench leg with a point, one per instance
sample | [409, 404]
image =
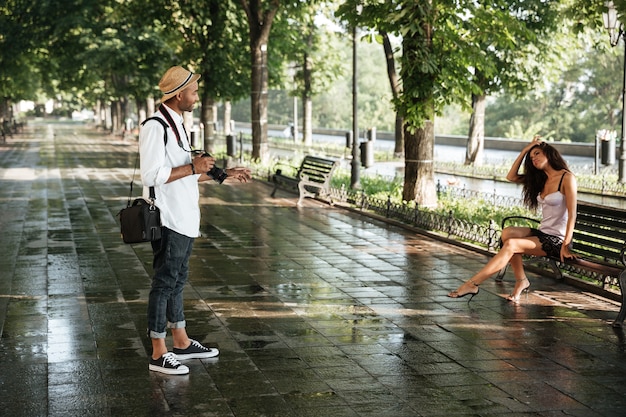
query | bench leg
[500, 274]
[558, 274]
[303, 192]
[619, 320]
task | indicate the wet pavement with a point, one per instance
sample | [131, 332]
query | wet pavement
[317, 311]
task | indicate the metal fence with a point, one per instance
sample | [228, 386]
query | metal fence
[587, 182]
[411, 214]
[485, 236]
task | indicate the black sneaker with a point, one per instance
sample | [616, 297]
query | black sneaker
[168, 364]
[196, 351]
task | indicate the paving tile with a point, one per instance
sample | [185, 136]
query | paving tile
[316, 310]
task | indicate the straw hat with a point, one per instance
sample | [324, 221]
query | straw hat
[175, 80]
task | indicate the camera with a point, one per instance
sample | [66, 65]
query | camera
[217, 173]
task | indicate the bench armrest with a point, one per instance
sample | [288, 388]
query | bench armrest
[278, 170]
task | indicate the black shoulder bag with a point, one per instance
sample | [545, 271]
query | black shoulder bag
[141, 220]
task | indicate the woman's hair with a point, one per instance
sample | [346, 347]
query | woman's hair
[533, 179]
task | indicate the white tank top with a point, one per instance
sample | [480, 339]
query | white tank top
[554, 213]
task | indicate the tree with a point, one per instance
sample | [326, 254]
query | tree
[514, 37]
[118, 51]
[584, 98]
[419, 73]
[21, 57]
[213, 42]
[260, 15]
[308, 50]
[375, 15]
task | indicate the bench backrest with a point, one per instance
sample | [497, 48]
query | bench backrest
[317, 169]
[600, 232]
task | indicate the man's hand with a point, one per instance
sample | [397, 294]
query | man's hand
[240, 174]
[203, 163]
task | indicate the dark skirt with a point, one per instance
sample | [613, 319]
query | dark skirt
[551, 245]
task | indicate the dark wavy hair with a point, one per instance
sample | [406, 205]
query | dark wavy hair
[533, 179]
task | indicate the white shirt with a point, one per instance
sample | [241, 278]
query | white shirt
[177, 200]
[554, 214]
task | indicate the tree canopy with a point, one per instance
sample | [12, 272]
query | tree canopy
[114, 51]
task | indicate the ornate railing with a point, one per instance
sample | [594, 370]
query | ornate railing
[411, 214]
[587, 182]
[497, 200]
[448, 226]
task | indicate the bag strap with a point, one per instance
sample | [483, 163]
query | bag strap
[152, 193]
[169, 119]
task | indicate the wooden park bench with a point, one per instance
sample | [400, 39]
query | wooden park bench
[600, 242]
[311, 180]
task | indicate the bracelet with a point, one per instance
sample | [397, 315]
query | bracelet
[193, 170]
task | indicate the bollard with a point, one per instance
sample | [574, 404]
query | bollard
[230, 145]
[367, 154]
[607, 151]
[371, 134]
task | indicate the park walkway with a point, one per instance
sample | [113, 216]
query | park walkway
[317, 311]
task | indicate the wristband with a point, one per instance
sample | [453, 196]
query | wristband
[193, 170]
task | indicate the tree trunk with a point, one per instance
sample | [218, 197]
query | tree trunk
[116, 115]
[260, 17]
[398, 150]
[476, 138]
[4, 110]
[419, 172]
[108, 126]
[395, 90]
[141, 111]
[98, 113]
[150, 105]
[307, 115]
[258, 103]
[206, 118]
[125, 107]
[227, 116]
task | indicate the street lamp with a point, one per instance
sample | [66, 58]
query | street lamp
[292, 72]
[355, 164]
[616, 31]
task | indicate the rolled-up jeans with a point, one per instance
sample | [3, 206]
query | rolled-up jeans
[171, 268]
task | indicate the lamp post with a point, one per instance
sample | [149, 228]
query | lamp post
[616, 31]
[292, 72]
[355, 164]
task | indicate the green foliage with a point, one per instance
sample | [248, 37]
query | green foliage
[478, 211]
[213, 38]
[582, 99]
[376, 186]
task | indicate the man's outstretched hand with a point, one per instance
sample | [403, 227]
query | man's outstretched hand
[239, 174]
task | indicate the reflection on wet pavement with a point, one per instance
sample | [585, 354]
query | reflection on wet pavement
[316, 310]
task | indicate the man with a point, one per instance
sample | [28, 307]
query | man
[172, 169]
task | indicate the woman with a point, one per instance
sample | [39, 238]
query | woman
[549, 184]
